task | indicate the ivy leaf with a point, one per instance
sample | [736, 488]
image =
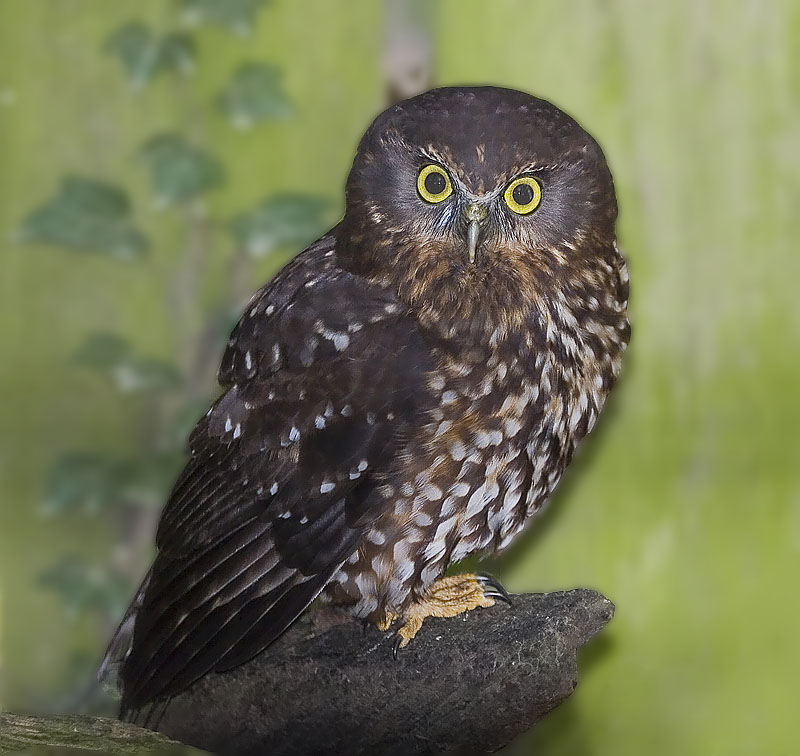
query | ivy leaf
[138, 50]
[179, 171]
[91, 483]
[147, 481]
[129, 371]
[89, 216]
[254, 94]
[237, 15]
[81, 481]
[144, 374]
[84, 587]
[178, 52]
[282, 220]
[143, 55]
[102, 351]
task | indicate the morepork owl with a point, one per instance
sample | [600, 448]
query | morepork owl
[405, 393]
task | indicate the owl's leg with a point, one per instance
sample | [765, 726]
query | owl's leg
[448, 597]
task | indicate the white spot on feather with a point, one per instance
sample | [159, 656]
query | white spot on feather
[377, 537]
[458, 451]
[422, 519]
[432, 492]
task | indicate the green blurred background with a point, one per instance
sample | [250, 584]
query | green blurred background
[684, 508]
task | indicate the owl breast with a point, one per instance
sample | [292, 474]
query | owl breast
[501, 431]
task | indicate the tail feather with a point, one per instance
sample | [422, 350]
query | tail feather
[119, 647]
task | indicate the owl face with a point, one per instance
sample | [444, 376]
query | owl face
[462, 197]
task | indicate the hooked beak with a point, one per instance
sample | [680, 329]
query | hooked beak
[475, 215]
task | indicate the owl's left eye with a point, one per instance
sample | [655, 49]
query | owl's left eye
[433, 184]
[523, 195]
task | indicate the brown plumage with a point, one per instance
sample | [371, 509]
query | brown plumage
[406, 393]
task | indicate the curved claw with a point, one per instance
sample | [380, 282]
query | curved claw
[396, 646]
[496, 589]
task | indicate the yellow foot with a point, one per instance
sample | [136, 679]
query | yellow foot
[385, 622]
[448, 597]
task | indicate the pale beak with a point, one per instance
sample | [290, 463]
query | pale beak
[475, 214]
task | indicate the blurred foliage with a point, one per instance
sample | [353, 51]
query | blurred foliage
[238, 15]
[94, 482]
[91, 215]
[82, 481]
[144, 54]
[278, 221]
[86, 215]
[179, 171]
[254, 94]
[86, 588]
[130, 372]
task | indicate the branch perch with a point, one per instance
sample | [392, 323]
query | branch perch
[330, 686]
[46, 736]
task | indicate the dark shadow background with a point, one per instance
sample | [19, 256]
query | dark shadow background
[207, 142]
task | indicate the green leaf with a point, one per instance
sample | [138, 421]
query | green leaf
[144, 374]
[178, 52]
[254, 94]
[86, 215]
[178, 170]
[129, 371]
[102, 351]
[147, 481]
[91, 483]
[282, 220]
[138, 50]
[84, 587]
[143, 55]
[82, 481]
[237, 15]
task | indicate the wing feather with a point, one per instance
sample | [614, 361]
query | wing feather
[323, 382]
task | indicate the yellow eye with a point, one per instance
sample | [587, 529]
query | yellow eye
[523, 195]
[433, 184]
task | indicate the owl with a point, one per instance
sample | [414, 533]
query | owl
[405, 393]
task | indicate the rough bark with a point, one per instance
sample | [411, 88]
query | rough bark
[330, 686]
[77, 734]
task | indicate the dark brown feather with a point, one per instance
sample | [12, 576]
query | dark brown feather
[276, 492]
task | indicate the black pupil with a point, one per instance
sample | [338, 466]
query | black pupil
[523, 194]
[435, 183]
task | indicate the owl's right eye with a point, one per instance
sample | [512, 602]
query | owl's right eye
[433, 184]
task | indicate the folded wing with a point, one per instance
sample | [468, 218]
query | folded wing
[324, 377]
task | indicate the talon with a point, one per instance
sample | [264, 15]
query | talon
[498, 591]
[448, 597]
[501, 596]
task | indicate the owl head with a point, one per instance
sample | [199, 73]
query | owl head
[478, 205]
